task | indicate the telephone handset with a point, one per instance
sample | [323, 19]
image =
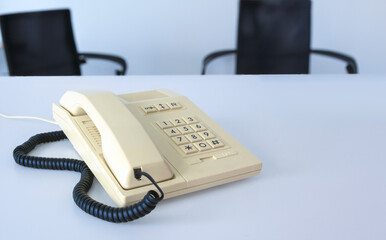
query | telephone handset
[125, 143]
[158, 132]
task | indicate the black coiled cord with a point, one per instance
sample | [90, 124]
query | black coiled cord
[81, 198]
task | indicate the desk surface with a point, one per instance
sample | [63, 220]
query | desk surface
[321, 139]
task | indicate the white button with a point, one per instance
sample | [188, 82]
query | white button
[162, 106]
[188, 148]
[202, 146]
[185, 129]
[215, 143]
[198, 127]
[174, 105]
[193, 137]
[149, 109]
[171, 132]
[177, 121]
[190, 120]
[164, 124]
[206, 135]
[180, 140]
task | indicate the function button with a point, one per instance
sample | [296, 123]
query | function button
[202, 146]
[149, 109]
[171, 132]
[198, 127]
[180, 140]
[177, 121]
[164, 124]
[185, 129]
[193, 137]
[206, 135]
[174, 105]
[190, 120]
[162, 106]
[188, 148]
[215, 143]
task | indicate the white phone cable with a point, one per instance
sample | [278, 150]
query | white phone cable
[29, 117]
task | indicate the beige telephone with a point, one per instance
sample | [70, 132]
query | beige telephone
[161, 133]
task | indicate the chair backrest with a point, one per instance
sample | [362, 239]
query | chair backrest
[274, 37]
[40, 43]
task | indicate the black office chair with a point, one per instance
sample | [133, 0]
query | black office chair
[274, 38]
[42, 44]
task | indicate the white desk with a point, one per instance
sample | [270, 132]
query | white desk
[321, 139]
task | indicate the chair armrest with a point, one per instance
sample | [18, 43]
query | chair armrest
[352, 67]
[214, 55]
[119, 60]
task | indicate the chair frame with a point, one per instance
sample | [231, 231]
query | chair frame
[81, 57]
[351, 66]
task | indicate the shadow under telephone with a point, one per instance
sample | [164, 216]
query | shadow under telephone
[157, 134]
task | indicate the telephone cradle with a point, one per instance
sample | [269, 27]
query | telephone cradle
[159, 134]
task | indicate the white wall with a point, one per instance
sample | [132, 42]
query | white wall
[172, 36]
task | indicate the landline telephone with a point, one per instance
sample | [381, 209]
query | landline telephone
[159, 134]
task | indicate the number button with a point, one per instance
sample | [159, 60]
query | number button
[185, 129]
[149, 109]
[164, 124]
[188, 148]
[202, 146]
[162, 107]
[206, 135]
[193, 137]
[178, 122]
[171, 132]
[198, 127]
[180, 140]
[215, 143]
[174, 105]
[190, 120]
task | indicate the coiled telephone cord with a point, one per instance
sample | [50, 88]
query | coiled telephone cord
[81, 198]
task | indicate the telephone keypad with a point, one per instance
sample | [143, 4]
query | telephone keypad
[190, 135]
